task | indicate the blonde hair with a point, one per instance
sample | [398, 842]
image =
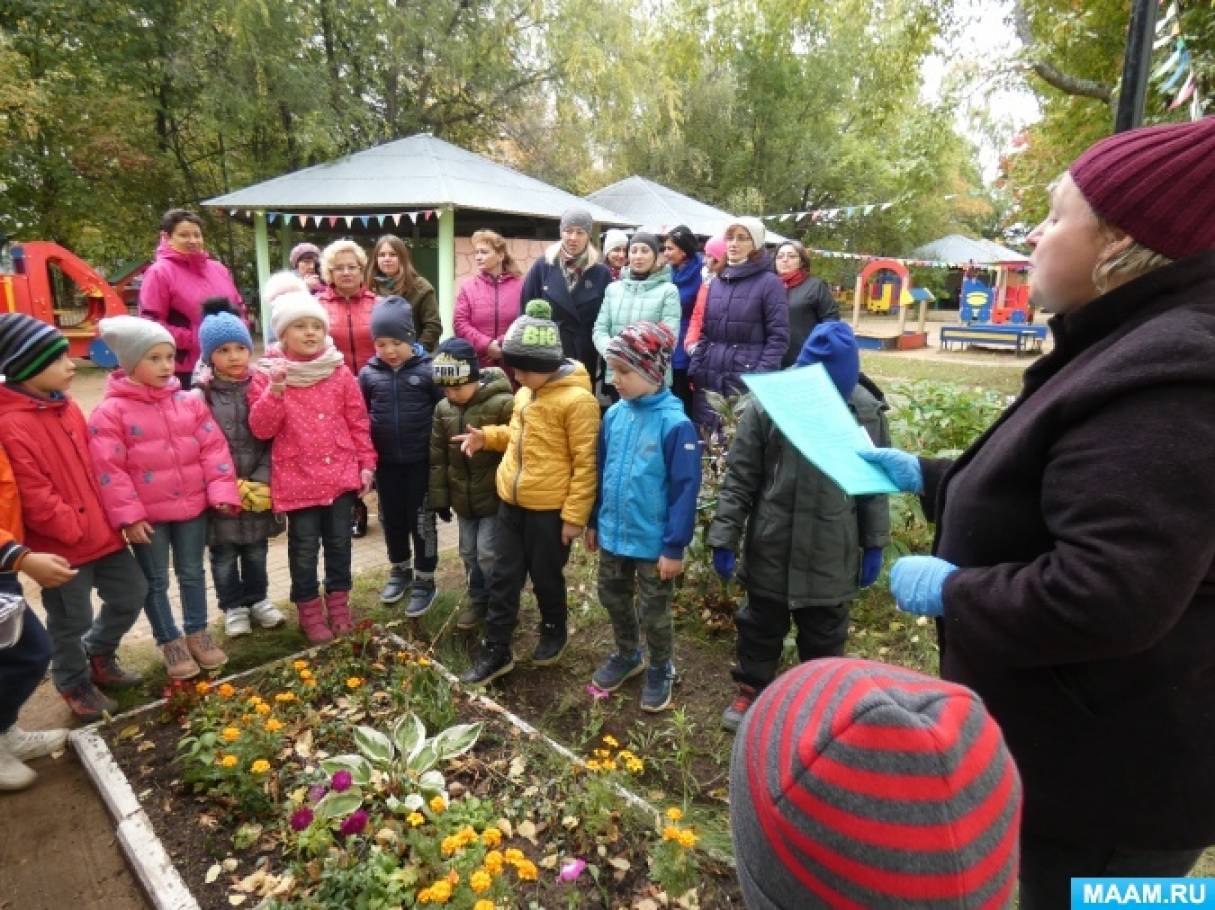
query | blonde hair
[1126, 264]
[406, 281]
[496, 241]
[331, 252]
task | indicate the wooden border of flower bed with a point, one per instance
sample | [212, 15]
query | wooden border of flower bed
[152, 863]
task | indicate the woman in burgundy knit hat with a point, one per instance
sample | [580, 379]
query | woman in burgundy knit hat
[1073, 571]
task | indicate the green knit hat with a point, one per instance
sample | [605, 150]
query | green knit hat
[533, 341]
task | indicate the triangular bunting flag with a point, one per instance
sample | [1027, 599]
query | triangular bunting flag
[364, 219]
[332, 219]
[270, 216]
[347, 219]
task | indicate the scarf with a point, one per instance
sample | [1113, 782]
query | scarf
[573, 266]
[793, 279]
[303, 373]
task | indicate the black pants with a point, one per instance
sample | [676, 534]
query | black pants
[1048, 866]
[528, 543]
[762, 623]
[682, 387]
[403, 509]
[24, 664]
[307, 531]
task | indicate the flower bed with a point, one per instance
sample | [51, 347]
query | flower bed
[361, 778]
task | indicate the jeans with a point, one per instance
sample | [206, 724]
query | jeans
[528, 543]
[239, 573]
[308, 530]
[22, 665]
[478, 547]
[187, 540]
[628, 587]
[75, 633]
[406, 518]
[822, 631]
[1048, 866]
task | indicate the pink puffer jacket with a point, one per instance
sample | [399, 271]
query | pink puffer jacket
[159, 454]
[322, 439]
[485, 308]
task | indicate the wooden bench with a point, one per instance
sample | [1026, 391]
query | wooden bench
[1021, 338]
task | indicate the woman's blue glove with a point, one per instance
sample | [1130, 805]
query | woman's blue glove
[871, 565]
[723, 562]
[902, 468]
[916, 583]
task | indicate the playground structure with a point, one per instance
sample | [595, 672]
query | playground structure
[999, 317]
[880, 283]
[52, 284]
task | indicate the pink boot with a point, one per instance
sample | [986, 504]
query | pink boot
[338, 603]
[312, 621]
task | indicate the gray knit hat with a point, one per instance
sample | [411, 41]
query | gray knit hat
[392, 317]
[650, 240]
[854, 783]
[577, 217]
[533, 341]
[130, 337]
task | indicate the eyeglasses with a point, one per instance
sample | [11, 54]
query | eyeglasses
[346, 268]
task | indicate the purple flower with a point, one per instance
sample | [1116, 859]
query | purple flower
[355, 822]
[341, 781]
[301, 818]
[571, 869]
[596, 693]
[317, 792]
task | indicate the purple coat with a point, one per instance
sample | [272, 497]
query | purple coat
[746, 329]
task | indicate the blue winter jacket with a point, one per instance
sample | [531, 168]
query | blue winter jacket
[649, 476]
[401, 403]
[687, 278]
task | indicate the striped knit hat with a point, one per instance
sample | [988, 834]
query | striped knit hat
[27, 346]
[645, 347]
[860, 785]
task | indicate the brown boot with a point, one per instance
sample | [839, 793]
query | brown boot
[312, 621]
[178, 662]
[338, 605]
[204, 651]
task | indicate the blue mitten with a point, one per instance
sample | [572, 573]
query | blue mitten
[871, 565]
[902, 468]
[916, 583]
[723, 562]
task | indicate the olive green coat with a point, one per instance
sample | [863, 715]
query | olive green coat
[464, 484]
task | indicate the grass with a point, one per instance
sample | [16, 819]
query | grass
[999, 375]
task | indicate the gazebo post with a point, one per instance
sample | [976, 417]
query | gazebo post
[447, 267]
[261, 246]
[284, 242]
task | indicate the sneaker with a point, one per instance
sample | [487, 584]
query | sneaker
[551, 646]
[492, 662]
[656, 693]
[105, 670]
[267, 615]
[472, 615]
[88, 702]
[14, 773]
[178, 662]
[396, 586]
[421, 596]
[27, 744]
[733, 715]
[616, 670]
[358, 519]
[204, 651]
[236, 622]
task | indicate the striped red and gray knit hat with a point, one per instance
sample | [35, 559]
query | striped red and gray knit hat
[645, 347]
[27, 346]
[859, 785]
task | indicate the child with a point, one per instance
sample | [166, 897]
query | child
[804, 535]
[858, 784]
[546, 482]
[47, 442]
[321, 459]
[401, 396]
[475, 397]
[649, 475]
[161, 461]
[238, 543]
[23, 662]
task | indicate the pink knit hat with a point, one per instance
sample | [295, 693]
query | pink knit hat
[1157, 184]
[716, 247]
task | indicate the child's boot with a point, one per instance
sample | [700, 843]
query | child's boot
[14, 773]
[656, 693]
[178, 662]
[236, 622]
[472, 615]
[106, 671]
[421, 596]
[204, 650]
[88, 702]
[338, 604]
[493, 661]
[733, 715]
[17, 746]
[398, 583]
[616, 669]
[312, 621]
[551, 646]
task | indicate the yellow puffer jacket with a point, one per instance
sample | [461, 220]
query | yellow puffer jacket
[550, 447]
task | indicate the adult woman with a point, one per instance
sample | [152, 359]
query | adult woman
[715, 261]
[348, 301]
[810, 300]
[681, 250]
[489, 301]
[391, 273]
[1073, 571]
[616, 251]
[180, 279]
[305, 261]
[746, 322]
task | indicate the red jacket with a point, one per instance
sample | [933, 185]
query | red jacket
[350, 325]
[48, 446]
[485, 308]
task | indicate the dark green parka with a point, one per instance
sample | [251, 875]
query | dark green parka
[804, 535]
[463, 484]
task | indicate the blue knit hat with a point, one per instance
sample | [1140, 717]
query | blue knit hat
[834, 346]
[220, 326]
[392, 317]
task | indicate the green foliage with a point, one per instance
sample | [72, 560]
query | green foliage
[939, 419]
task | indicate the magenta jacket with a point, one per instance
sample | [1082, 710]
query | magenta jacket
[158, 453]
[322, 439]
[485, 308]
[173, 291]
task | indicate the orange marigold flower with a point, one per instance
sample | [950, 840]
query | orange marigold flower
[415, 819]
[354, 682]
[437, 803]
[527, 871]
[227, 690]
[230, 734]
[229, 761]
[674, 813]
[261, 766]
[202, 688]
[491, 837]
[285, 696]
[273, 725]
[494, 862]
[300, 664]
[262, 708]
[440, 891]
[483, 905]
[480, 881]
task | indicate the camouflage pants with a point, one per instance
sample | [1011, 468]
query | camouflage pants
[637, 599]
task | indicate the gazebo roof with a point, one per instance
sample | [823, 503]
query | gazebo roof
[960, 249]
[653, 205]
[419, 172]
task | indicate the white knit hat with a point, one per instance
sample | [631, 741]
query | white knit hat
[294, 306]
[281, 283]
[614, 238]
[752, 226]
[130, 337]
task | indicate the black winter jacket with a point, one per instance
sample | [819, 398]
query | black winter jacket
[401, 404]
